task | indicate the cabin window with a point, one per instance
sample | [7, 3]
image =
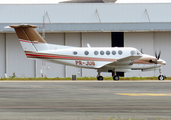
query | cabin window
[132, 52]
[86, 52]
[120, 52]
[114, 52]
[107, 52]
[75, 52]
[102, 52]
[96, 52]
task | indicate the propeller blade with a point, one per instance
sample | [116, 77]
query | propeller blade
[156, 54]
[159, 55]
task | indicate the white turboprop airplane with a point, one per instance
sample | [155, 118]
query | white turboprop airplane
[103, 59]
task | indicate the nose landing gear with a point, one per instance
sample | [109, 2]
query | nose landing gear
[161, 77]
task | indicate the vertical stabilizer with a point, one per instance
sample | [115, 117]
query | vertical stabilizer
[29, 38]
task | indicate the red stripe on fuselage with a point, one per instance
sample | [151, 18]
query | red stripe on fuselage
[78, 58]
[68, 57]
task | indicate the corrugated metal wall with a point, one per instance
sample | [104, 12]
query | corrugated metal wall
[16, 59]
[2, 55]
[23, 67]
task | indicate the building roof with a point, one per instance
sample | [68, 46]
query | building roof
[85, 13]
[83, 1]
[81, 17]
[89, 1]
[97, 27]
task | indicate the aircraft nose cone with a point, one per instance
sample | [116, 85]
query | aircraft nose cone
[164, 62]
[161, 62]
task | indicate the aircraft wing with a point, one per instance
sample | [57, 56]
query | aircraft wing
[130, 58]
[123, 61]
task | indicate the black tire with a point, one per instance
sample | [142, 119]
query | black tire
[100, 78]
[116, 78]
[161, 77]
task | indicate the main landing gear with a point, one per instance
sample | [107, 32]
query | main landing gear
[161, 77]
[99, 77]
[115, 77]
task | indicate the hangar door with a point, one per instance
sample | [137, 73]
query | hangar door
[118, 41]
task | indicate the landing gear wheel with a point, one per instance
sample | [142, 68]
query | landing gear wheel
[116, 78]
[161, 77]
[100, 78]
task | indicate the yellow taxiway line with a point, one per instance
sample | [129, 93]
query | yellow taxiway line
[144, 94]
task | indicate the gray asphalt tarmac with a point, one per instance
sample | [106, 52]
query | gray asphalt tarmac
[85, 100]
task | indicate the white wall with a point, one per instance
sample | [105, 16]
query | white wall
[2, 55]
[162, 41]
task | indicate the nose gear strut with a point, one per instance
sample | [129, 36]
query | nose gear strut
[161, 76]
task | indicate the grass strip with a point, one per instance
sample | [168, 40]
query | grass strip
[79, 78]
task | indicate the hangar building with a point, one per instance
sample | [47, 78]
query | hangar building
[143, 26]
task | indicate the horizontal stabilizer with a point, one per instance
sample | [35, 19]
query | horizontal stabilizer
[23, 26]
[7, 27]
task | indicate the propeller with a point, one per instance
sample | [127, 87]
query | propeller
[158, 56]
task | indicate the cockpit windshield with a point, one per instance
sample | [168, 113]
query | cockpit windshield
[138, 52]
[135, 52]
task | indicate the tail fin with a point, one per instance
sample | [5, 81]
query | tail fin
[29, 38]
